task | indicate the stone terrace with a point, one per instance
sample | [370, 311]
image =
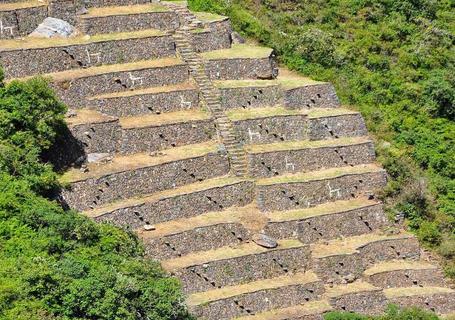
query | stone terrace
[200, 145]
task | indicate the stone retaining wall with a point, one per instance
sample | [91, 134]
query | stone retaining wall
[166, 20]
[94, 192]
[348, 267]
[311, 96]
[216, 37]
[182, 206]
[237, 69]
[74, 91]
[269, 164]
[198, 239]
[369, 302]
[21, 22]
[99, 137]
[286, 196]
[271, 129]
[156, 138]
[407, 278]
[147, 103]
[21, 63]
[259, 301]
[331, 226]
[243, 269]
[439, 303]
[250, 97]
[332, 127]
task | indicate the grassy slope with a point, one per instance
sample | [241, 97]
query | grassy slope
[393, 61]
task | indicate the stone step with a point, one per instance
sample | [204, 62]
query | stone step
[278, 124]
[256, 296]
[328, 221]
[240, 62]
[20, 18]
[303, 190]
[266, 160]
[33, 56]
[360, 297]
[210, 195]
[74, 86]
[227, 266]
[344, 260]
[126, 176]
[312, 310]
[203, 232]
[128, 18]
[150, 133]
[440, 300]
[153, 100]
[399, 273]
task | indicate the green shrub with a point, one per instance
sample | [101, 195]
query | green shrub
[57, 264]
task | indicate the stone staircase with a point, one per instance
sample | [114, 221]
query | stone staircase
[201, 148]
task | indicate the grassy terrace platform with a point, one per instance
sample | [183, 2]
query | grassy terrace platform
[189, 188]
[22, 5]
[241, 215]
[321, 210]
[209, 17]
[325, 113]
[229, 84]
[294, 312]
[150, 120]
[350, 288]
[256, 113]
[141, 160]
[306, 144]
[391, 293]
[111, 68]
[265, 284]
[321, 174]
[41, 43]
[85, 116]
[238, 51]
[124, 10]
[225, 253]
[152, 90]
[397, 265]
[352, 244]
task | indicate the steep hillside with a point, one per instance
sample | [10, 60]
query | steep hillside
[393, 61]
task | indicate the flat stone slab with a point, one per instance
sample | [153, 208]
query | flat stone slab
[265, 241]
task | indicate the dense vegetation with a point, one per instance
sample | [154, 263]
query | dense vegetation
[393, 313]
[393, 61]
[57, 264]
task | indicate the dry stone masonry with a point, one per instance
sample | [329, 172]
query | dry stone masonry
[248, 182]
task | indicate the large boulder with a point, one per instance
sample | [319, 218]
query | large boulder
[52, 28]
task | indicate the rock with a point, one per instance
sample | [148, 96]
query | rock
[82, 11]
[264, 241]
[71, 114]
[237, 38]
[98, 157]
[52, 28]
[149, 227]
[350, 278]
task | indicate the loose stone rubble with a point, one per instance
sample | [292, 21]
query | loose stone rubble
[250, 183]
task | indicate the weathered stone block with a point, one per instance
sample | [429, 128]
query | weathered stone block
[311, 96]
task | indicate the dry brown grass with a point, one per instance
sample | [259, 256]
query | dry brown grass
[351, 288]
[294, 312]
[321, 210]
[22, 5]
[35, 43]
[265, 284]
[396, 265]
[321, 174]
[198, 258]
[306, 144]
[86, 116]
[238, 51]
[140, 160]
[153, 90]
[124, 10]
[186, 189]
[154, 120]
